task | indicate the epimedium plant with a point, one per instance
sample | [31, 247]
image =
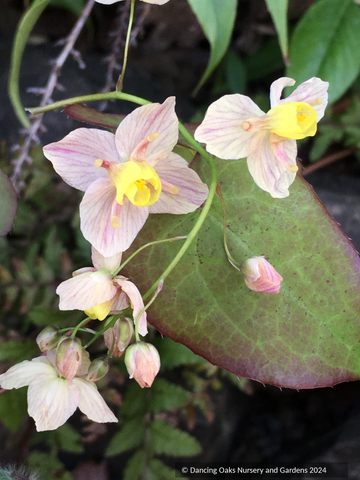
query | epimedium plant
[239, 260]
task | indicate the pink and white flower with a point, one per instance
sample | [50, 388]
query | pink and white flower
[260, 276]
[94, 290]
[142, 361]
[52, 399]
[234, 127]
[128, 175]
[110, 2]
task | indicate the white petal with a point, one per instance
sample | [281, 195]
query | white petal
[310, 92]
[23, 373]
[221, 128]
[145, 121]
[137, 303]
[277, 87]
[268, 173]
[95, 215]
[84, 291]
[91, 402]
[73, 157]
[110, 263]
[51, 401]
[192, 191]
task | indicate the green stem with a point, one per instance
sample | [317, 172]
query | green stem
[76, 329]
[119, 84]
[156, 242]
[108, 324]
[88, 98]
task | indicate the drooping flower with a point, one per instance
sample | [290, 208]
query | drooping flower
[260, 275]
[142, 361]
[93, 290]
[128, 175]
[110, 2]
[52, 398]
[234, 127]
[119, 336]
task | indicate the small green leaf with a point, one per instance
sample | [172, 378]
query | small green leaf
[49, 465]
[217, 19]
[18, 350]
[160, 471]
[8, 204]
[167, 440]
[235, 72]
[166, 396]
[135, 467]
[134, 402]
[326, 136]
[13, 406]
[23, 31]
[89, 115]
[174, 354]
[43, 316]
[325, 44]
[130, 436]
[278, 11]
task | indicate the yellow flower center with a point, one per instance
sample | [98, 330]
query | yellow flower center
[101, 311]
[292, 120]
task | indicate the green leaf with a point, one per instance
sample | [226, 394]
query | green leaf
[89, 115]
[23, 31]
[217, 19]
[134, 402]
[49, 465]
[235, 72]
[278, 11]
[325, 44]
[43, 316]
[69, 439]
[174, 354]
[8, 204]
[130, 436]
[160, 471]
[166, 396]
[135, 467]
[304, 337]
[167, 440]
[18, 350]
[326, 136]
[13, 408]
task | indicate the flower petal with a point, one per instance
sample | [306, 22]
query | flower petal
[145, 121]
[156, 2]
[221, 128]
[137, 303]
[95, 215]
[25, 372]
[110, 263]
[267, 171]
[51, 401]
[85, 291]
[174, 171]
[276, 89]
[73, 157]
[91, 402]
[312, 91]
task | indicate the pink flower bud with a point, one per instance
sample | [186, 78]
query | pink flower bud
[142, 361]
[68, 357]
[122, 331]
[260, 276]
[98, 369]
[48, 338]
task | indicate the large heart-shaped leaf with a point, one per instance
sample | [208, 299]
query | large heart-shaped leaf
[306, 336]
[8, 204]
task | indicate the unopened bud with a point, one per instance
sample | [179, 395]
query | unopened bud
[68, 357]
[98, 369]
[122, 332]
[48, 338]
[260, 275]
[142, 361]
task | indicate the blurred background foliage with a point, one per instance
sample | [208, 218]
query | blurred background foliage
[198, 50]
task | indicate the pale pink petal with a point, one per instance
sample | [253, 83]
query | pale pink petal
[145, 121]
[51, 401]
[91, 402]
[107, 2]
[312, 91]
[85, 291]
[276, 89]
[121, 303]
[174, 171]
[156, 2]
[95, 216]
[82, 270]
[221, 128]
[23, 373]
[73, 157]
[109, 263]
[267, 171]
[137, 303]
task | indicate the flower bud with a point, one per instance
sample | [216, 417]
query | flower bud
[68, 357]
[142, 361]
[260, 276]
[123, 330]
[48, 338]
[98, 369]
